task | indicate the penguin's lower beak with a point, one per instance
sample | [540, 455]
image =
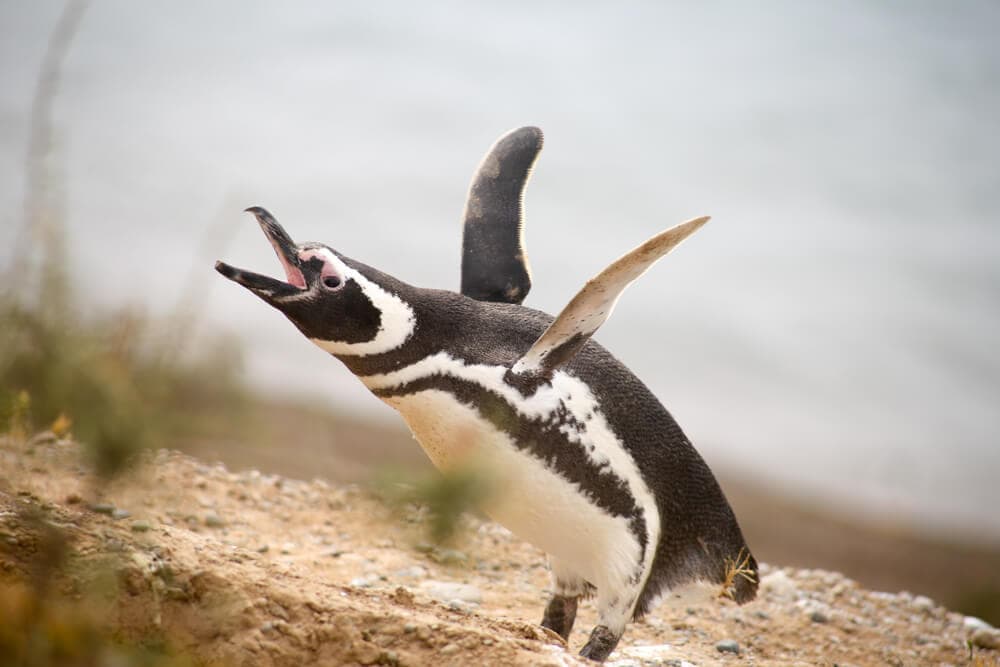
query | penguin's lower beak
[287, 253]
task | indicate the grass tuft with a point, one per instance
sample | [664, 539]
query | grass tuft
[738, 567]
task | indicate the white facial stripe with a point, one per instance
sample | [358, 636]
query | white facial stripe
[397, 323]
[597, 440]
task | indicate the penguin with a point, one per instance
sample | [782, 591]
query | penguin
[593, 469]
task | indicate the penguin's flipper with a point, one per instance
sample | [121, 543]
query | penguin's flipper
[494, 263]
[593, 304]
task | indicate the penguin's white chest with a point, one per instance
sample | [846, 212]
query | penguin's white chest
[530, 499]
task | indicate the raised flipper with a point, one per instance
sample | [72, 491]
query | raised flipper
[593, 304]
[494, 263]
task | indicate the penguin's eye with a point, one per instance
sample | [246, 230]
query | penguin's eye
[332, 282]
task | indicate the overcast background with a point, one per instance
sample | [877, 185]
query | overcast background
[834, 330]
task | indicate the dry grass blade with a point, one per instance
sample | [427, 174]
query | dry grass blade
[737, 567]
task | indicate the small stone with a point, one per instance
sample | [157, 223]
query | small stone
[73, 499]
[361, 582]
[446, 591]
[410, 628]
[923, 603]
[287, 548]
[448, 649]
[779, 585]
[728, 646]
[449, 556]
[988, 638]
[972, 623]
[459, 605]
[102, 508]
[276, 609]
[262, 549]
[819, 616]
[213, 520]
[649, 653]
[119, 513]
[141, 526]
[415, 572]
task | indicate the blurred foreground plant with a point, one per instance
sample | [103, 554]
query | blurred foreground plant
[443, 496]
[109, 380]
[117, 382]
[40, 624]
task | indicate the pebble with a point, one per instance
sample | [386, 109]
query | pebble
[650, 653]
[448, 649]
[103, 508]
[923, 603]
[819, 616]
[263, 549]
[141, 526]
[415, 572]
[449, 556]
[446, 591]
[410, 628]
[213, 520]
[728, 646]
[972, 623]
[779, 585]
[361, 582]
[119, 513]
[986, 638]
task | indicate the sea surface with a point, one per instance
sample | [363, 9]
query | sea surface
[834, 331]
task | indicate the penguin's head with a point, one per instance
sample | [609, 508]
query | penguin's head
[343, 306]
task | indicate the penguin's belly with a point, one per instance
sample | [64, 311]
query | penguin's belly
[533, 501]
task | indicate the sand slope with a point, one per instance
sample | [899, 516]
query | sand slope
[246, 568]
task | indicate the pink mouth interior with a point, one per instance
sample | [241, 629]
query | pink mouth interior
[292, 273]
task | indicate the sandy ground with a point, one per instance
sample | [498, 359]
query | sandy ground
[878, 551]
[249, 568]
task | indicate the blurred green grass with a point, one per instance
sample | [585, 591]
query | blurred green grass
[111, 380]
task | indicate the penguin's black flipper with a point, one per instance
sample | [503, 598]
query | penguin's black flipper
[592, 305]
[494, 263]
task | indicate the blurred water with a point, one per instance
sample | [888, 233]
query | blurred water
[833, 330]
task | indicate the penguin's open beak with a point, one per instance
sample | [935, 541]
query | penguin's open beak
[287, 253]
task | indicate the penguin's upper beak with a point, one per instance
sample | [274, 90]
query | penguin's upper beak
[287, 253]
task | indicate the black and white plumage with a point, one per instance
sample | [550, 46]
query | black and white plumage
[595, 471]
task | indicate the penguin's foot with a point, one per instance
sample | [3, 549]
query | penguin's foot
[560, 614]
[601, 643]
